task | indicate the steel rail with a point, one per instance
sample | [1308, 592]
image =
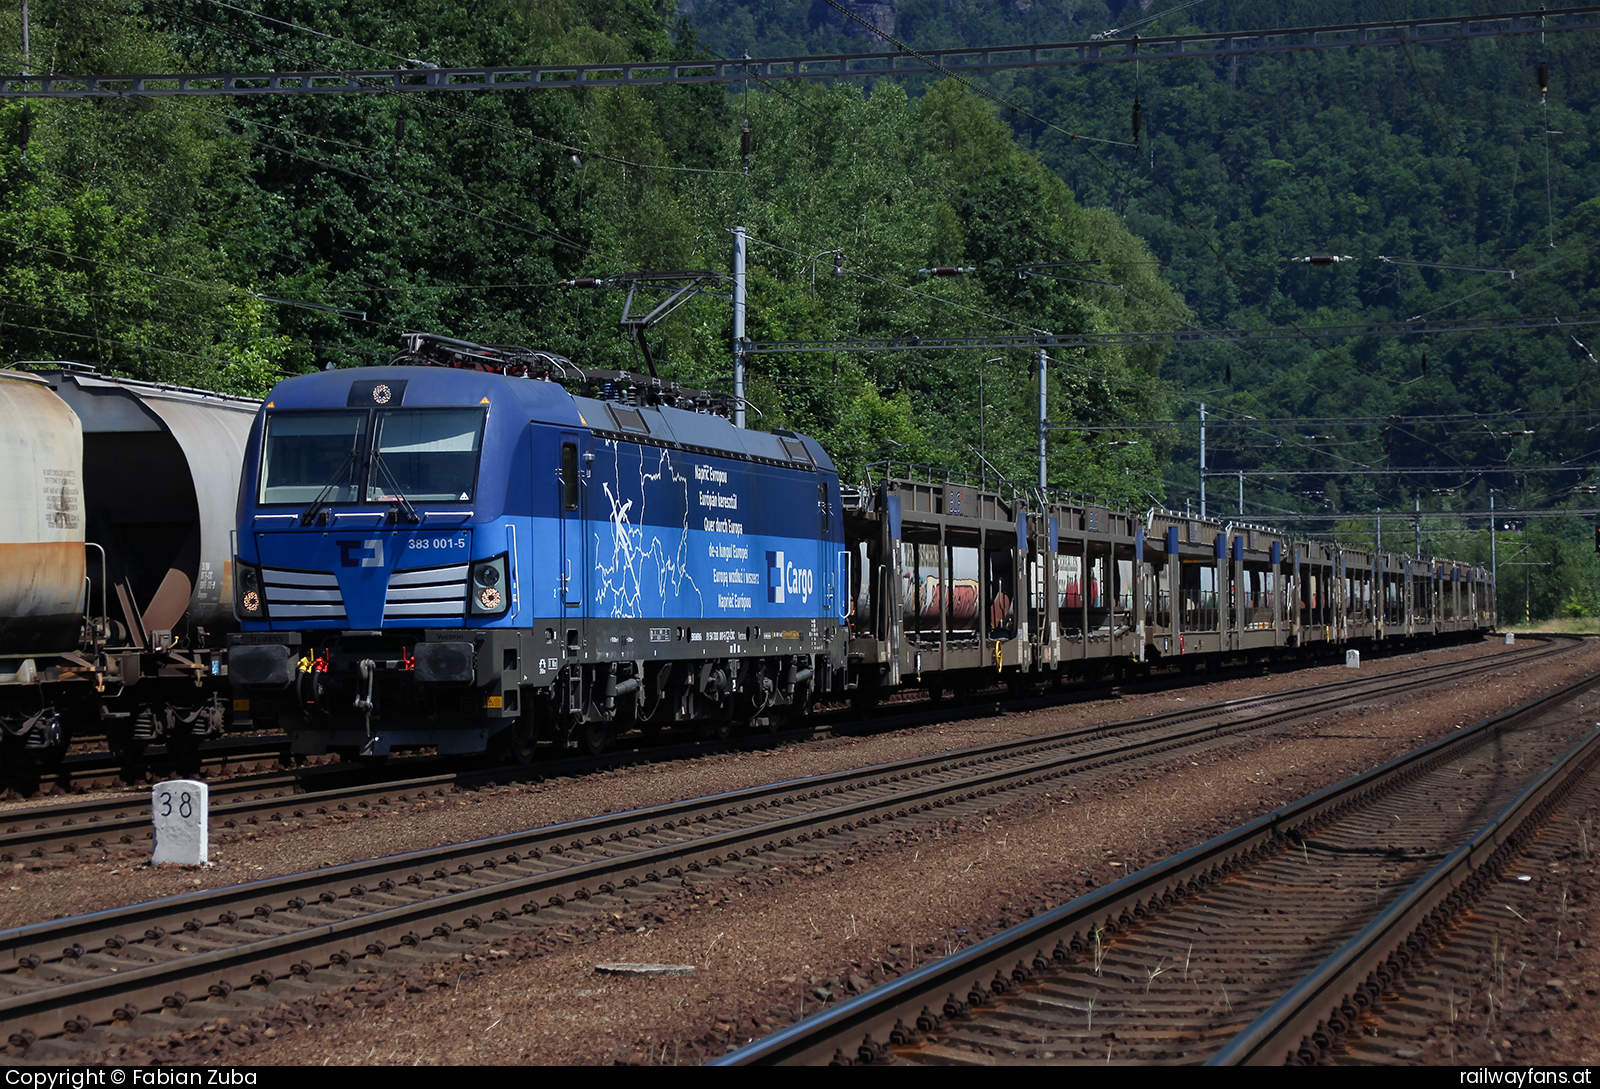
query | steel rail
[1175, 336]
[469, 893]
[224, 750]
[1287, 1031]
[124, 820]
[893, 1009]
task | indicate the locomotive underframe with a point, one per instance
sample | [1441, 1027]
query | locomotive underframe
[575, 682]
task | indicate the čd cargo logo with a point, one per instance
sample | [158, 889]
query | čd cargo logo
[785, 580]
[361, 553]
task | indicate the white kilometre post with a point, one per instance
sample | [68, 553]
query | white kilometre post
[179, 810]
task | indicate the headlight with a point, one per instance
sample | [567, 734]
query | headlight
[249, 602]
[486, 594]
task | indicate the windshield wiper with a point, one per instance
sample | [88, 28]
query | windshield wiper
[403, 510]
[322, 497]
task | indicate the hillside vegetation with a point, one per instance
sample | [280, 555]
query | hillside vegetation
[225, 242]
[155, 236]
[1441, 154]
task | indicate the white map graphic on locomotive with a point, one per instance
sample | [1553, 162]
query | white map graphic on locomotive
[676, 540]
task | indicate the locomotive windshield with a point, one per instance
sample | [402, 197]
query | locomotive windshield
[308, 453]
[413, 454]
[425, 454]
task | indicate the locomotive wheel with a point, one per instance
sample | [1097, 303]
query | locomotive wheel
[521, 740]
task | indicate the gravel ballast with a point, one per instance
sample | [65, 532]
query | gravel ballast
[769, 946]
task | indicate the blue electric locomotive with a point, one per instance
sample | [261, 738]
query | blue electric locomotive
[471, 554]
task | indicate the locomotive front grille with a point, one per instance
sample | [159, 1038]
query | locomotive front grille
[302, 595]
[427, 591]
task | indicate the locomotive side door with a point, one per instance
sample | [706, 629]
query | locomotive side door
[569, 484]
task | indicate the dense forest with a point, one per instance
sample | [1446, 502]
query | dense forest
[1437, 155]
[224, 242]
[172, 237]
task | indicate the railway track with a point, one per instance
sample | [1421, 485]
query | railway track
[223, 758]
[1269, 944]
[110, 822]
[103, 770]
[1511, 957]
[68, 979]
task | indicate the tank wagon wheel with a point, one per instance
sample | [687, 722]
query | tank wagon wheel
[128, 748]
[183, 749]
[134, 767]
[866, 695]
[19, 768]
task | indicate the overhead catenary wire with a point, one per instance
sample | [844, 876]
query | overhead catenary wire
[903, 47]
[425, 102]
[1075, 140]
[965, 83]
[910, 290]
[892, 285]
